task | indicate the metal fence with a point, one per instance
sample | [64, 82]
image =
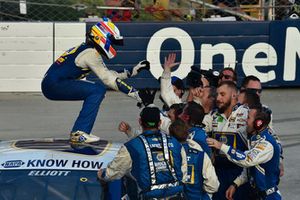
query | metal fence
[147, 10]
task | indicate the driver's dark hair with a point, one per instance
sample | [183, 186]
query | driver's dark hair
[195, 112]
[229, 69]
[179, 130]
[178, 108]
[247, 79]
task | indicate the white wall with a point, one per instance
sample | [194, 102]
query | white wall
[28, 49]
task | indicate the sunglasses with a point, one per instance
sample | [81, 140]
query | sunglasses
[227, 77]
[251, 90]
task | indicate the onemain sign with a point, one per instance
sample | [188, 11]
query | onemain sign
[250, 63]
[268, 50]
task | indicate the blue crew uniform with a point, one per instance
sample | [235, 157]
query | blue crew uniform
[262, 160]
[199, 135]
[155, 160]
[231, 131]
[156, 164]
[201, 175]
[266, 183]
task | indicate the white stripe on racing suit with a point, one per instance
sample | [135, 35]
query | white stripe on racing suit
[90, 58]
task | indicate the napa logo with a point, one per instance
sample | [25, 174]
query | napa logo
[12, 164]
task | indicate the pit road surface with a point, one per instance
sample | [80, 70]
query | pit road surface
[30, 115]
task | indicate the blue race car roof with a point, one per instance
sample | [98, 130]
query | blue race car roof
[55, 154]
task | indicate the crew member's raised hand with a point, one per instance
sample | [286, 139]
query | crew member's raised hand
[170, 61]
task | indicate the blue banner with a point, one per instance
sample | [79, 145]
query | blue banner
[268, 50]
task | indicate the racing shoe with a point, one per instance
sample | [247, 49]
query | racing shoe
[80, 137]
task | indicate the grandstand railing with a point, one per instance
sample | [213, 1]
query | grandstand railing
[191, 10]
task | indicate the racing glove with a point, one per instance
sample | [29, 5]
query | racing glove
[127, 89]
[143, 65]
[147, 96]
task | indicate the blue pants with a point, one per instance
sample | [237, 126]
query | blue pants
[274, 196]
[226, 177]
[114, 190]
[91, 93]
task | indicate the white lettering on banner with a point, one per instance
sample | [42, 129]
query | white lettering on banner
[250, 62]
[208, 51]
[292, 49]
[187, 53]
[48, 173]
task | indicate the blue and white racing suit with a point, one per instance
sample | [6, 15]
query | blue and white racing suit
[201, 176]
[231, 131]
[262, 160]
[155, 160]
[273, 132]
[63, 81]
[198, 135]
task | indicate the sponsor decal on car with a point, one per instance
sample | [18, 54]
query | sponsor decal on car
[64, 163]
[52, 164]
[48, 173]
[12, 164]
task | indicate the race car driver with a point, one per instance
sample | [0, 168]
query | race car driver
[228, 123]
[63, 80]
[262, 158]
[155, 160]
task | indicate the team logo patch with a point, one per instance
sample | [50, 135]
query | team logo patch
[160, 156]
[252, 155]
[258, 137]
[240, 114]
[232, 125]
[223, 139]
[261, 146]
[241, 120]
[233, 151]
[232, 119]
[220, 119]
[240, 156]
[81, 138]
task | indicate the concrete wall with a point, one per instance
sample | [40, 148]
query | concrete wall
[28, 49]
